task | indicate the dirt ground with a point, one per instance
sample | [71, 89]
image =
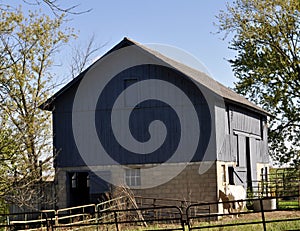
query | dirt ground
[268, 215]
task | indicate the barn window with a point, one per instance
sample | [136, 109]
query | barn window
[131, 97]
[133, 177]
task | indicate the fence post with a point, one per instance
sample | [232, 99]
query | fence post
[209, 214]
[262, 214]
[47, 224]
[276, 190]
[26, 226]
[183, 218]
[154, 202]
[52, 223]
[97, 219]
[56, 217]
[299, 190]
[116, 220]
[8, 220]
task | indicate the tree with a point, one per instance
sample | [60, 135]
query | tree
[8, 157]
[27, 48]
[53, 5]
[266, 36]
[82, 56]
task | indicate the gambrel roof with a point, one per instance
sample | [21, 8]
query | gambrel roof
[196, 75]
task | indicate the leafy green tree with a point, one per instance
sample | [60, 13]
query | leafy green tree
[27, 48]
[8, 159]
[266, 36]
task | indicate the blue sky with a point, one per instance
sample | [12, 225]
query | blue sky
[187, 25]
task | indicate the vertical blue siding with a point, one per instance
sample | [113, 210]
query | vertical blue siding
[147, 111]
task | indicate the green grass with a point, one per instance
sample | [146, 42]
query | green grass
[276, 226]
[288, 204]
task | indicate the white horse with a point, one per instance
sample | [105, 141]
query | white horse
[233, 193]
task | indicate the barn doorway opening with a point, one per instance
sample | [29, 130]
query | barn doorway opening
[79, 188]
[248, 161]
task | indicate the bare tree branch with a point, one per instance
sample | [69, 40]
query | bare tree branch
[81, 57]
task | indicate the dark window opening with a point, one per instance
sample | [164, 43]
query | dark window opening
[231, 175]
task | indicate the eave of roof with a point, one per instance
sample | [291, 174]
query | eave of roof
[194, 74]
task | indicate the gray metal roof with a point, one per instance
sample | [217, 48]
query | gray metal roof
[203, 79]
[194, 74]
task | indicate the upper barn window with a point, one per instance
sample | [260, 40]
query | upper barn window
[131, 97]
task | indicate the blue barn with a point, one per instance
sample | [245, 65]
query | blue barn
[139, 119]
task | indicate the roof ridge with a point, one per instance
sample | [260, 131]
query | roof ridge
[195, 74]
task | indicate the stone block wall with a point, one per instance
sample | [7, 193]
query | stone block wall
[61, 188]
[188, 185]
